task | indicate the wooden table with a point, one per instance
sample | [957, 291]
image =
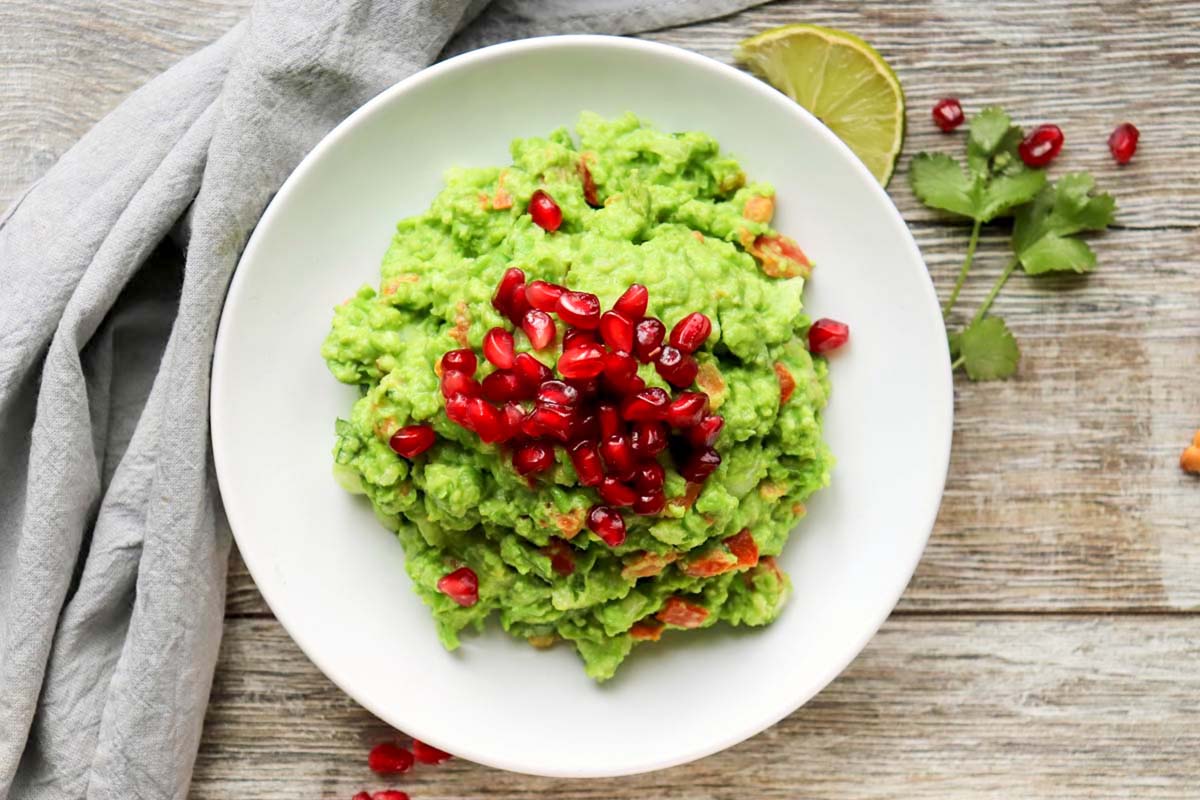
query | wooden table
[1049, 645]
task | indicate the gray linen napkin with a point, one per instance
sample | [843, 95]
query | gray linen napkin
[112, 553]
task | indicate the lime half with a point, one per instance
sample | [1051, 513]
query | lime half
[842, 80]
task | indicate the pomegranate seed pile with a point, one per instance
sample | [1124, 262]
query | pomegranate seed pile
[593, 404]
[389, 758]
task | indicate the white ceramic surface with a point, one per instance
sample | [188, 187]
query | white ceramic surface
[335, 578]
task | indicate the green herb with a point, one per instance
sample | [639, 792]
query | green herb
[995, 183]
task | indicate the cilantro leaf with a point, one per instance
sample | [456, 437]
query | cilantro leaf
[988, 350]
[1006, 192]
[988, 130]
[939, 182]
[1043, 229]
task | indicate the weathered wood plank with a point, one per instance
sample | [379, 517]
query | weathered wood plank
[1066, 62]
[954, 707]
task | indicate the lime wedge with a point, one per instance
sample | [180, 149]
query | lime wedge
[842, 80]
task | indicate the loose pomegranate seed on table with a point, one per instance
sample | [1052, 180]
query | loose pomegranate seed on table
[540, 329]
[412, 440]
[608, 524]
[361, 796]
[948, 114]
[581, 309]
[498, 348]
[827, 334]
[632, 304]
[388, 758]
[691, 332]
[1123, 141]
[1041, 145]
[461, 586]
[390, 794]
[545, 212]
[427, 753]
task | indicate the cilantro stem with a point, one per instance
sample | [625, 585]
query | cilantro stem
[1003, 279]
[966, 267]
[958, 362]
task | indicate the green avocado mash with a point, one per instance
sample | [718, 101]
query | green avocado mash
[676, 215]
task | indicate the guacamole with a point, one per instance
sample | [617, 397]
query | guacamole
[668, 211]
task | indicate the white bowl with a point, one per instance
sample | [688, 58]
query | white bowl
[335, 578]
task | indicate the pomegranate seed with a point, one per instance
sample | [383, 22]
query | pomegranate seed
[687, 409]
[826, 335]
[706, 431]
[502, 386]
[648, 336]
[502, 299]
[540, 329]
[616, 331]
[562, 559]
[545, 212]
[650, 503]
[456, 408]
[498, 348]
[581, 309]
[584, 428]
[648, 405]
[459, 361]
[700, 464]
[518, 305]
[948, 114]
[533, 458]
[608, 524]
[691, 332]
[616, 493]
[428, 754]
[514, 415]
[558, 393]
[486, 420]
[459, 383]
[649, 476]
[581, 361]
[1041, 146]
[1122, 142]
[390, 794]
[620, 373]
[543, 296]
[586, 460]
[388, 758]
[532, 372]
[618, 457]
[610, 420]
[412, 440]
[632, 304]
[648, 439]
[361, 796]
[552, 420]
[461, 586]
[677, 367]
[574, 338]
[587, 388]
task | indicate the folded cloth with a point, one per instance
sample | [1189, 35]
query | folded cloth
[112, 554]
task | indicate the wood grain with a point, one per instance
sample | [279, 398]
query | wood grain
[946, 708]
[1046, 646]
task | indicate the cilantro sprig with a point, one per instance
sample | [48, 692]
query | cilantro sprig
[995, 183]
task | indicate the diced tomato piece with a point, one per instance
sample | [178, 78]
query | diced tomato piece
[646, 565]
[780, 256]
[744, 547]
[787, 384]
[714, 562]
[682, 614]
[647, 630]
